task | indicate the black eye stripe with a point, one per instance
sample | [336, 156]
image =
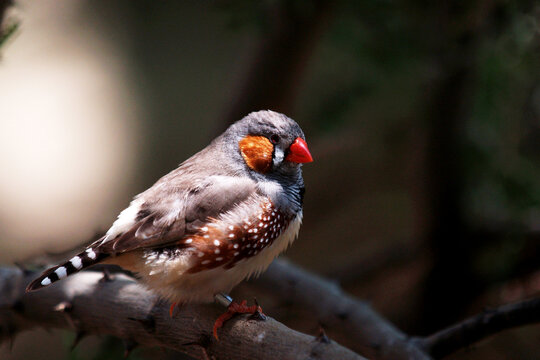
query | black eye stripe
[274, 138]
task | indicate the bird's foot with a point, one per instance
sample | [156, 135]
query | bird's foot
[235, 308]
[171, 309]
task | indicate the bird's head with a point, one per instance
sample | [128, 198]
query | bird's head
[269, 143]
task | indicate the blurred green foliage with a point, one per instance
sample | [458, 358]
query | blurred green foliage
[7, 32]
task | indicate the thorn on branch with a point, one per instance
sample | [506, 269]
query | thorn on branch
[129, 345]
[64, 306]
[10, 331]
[487, 313]
[321, 341]
[203, 342]
[258, 314]
[322, 337]
[78, 337]
[148, 323]
[342, 315]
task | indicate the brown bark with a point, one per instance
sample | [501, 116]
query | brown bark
[123, 308]
[475, 328]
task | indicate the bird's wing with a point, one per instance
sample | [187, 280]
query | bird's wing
[165, 216]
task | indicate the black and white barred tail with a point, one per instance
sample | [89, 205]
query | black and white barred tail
[75, 264]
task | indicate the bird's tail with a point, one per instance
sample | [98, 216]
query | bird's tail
[88, 257]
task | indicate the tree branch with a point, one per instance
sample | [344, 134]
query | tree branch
[125, 309]
[478, 327]
[353, 322]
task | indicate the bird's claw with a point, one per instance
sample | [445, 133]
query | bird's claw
[171, 309]
[235, 308]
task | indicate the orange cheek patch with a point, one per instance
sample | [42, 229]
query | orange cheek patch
[257, 152]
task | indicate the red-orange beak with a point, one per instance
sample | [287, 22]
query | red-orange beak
[299, 152]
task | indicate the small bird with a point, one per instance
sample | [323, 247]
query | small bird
[222, 216]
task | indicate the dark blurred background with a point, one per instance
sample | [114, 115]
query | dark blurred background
[423, 118]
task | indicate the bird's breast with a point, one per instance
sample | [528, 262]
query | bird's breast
[220, 254]
[237, 236]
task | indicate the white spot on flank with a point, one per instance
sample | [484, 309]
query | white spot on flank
[261, 224]
[236, 253]
[91, 254]
[219, 258]
[76, 262]
[46, 281]
[189, 241]
[231, 235]
[217, 251]
[216, 242]
[231, 227]
[204, 228]
[255, 237]
[206, 236]
[255, 230]
[61, 272]
[204, 262]
[200, 254]
[235, 246]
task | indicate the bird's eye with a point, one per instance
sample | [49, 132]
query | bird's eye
[274, 139]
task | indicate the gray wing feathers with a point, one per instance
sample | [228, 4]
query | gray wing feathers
[163, 215]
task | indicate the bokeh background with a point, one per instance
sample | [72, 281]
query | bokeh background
[423, 118]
